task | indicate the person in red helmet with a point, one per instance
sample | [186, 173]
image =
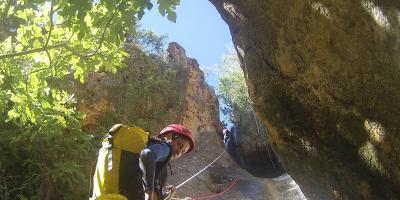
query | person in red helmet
[174, 141]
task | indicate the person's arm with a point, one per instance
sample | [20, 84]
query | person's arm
[148, 158]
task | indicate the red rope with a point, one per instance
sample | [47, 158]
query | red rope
[214, 195]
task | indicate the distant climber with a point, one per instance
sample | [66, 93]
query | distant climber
[133, 166]
[226, 135]
[229, 140]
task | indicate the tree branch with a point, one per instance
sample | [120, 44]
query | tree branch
[74, 52]
[58, 57]
[6, 9]
[51, 25]
[52, 11]
[4, 29]
[64, 44]
[49, 56]
[39, 69]
[102, 36]
[98, 47]
[22, 53]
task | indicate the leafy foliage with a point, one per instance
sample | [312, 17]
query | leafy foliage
[43, 44]
[150, 42]
[60, 38]
[44, 162]
[232, 89]
[253, 150]
[233, 92]
[167, 7]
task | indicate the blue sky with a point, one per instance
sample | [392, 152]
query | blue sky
[199, 29]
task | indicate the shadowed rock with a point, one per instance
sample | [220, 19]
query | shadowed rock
[324, 77]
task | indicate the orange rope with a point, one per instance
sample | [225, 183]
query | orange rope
[214, 195]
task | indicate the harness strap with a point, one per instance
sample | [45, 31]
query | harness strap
[170, 168]
[109, 153]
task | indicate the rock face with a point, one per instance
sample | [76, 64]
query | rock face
[249, 146]
[324, 77]
[200, 106]
[200, 113]
[132, 94]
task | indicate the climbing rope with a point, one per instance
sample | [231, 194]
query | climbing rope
[211, 196]
[269, 148]
[200, 170]
[218, 194]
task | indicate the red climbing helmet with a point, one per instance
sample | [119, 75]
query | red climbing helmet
[181, 131]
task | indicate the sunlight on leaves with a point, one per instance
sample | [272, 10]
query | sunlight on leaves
[377, 13]
[323, 10]
[368, 154]
[375, 129]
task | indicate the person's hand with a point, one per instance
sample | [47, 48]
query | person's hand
[148, 195]
[171, 189]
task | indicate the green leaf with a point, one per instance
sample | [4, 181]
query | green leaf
[61, 120]
[22, 14]
[36, 31]
[140, 14]
[172, 16]
[28, 113]
[19, 47]
[149, 5]
[88, 20]
[12, 114]
[6, 45]
[36, 44]
[162, 9]
[46, 105]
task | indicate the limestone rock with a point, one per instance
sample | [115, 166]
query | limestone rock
[200, 106]
[324, 77]
[200, 113]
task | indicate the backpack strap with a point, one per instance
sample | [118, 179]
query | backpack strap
[159, 141]
[109, 138]
[109, 153]
[114, 129]
[160, 181]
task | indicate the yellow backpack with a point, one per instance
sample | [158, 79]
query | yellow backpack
[117, 174]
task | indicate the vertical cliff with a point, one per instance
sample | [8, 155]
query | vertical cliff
[324, 77]
[200, 113]
[200, 108]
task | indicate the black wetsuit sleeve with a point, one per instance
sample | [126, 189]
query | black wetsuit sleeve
[148, 159]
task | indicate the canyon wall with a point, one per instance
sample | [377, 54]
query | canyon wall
[324, 77]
